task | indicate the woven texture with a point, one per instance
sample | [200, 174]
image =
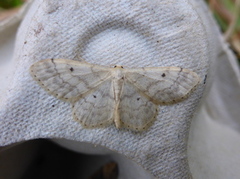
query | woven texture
[129, 33]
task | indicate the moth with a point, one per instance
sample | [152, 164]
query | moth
[101, 96]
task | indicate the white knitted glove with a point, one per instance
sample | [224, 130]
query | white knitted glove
[133, 34]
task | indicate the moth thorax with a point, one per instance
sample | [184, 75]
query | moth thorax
[118, 74]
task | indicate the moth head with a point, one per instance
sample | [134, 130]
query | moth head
[117, 66]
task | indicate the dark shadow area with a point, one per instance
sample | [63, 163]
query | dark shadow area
[51, 161]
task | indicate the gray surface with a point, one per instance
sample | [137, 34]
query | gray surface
[132, 34]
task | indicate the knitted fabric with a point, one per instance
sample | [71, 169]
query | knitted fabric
[132, 33]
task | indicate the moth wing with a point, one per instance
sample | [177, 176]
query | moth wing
[68, 80]
[136, 110]
[96, 108]
[163, 84]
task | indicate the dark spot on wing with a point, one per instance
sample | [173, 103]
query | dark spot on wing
[71, 69]
[94, 96]
[163, 75]
[53, 105]
[138, 99]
